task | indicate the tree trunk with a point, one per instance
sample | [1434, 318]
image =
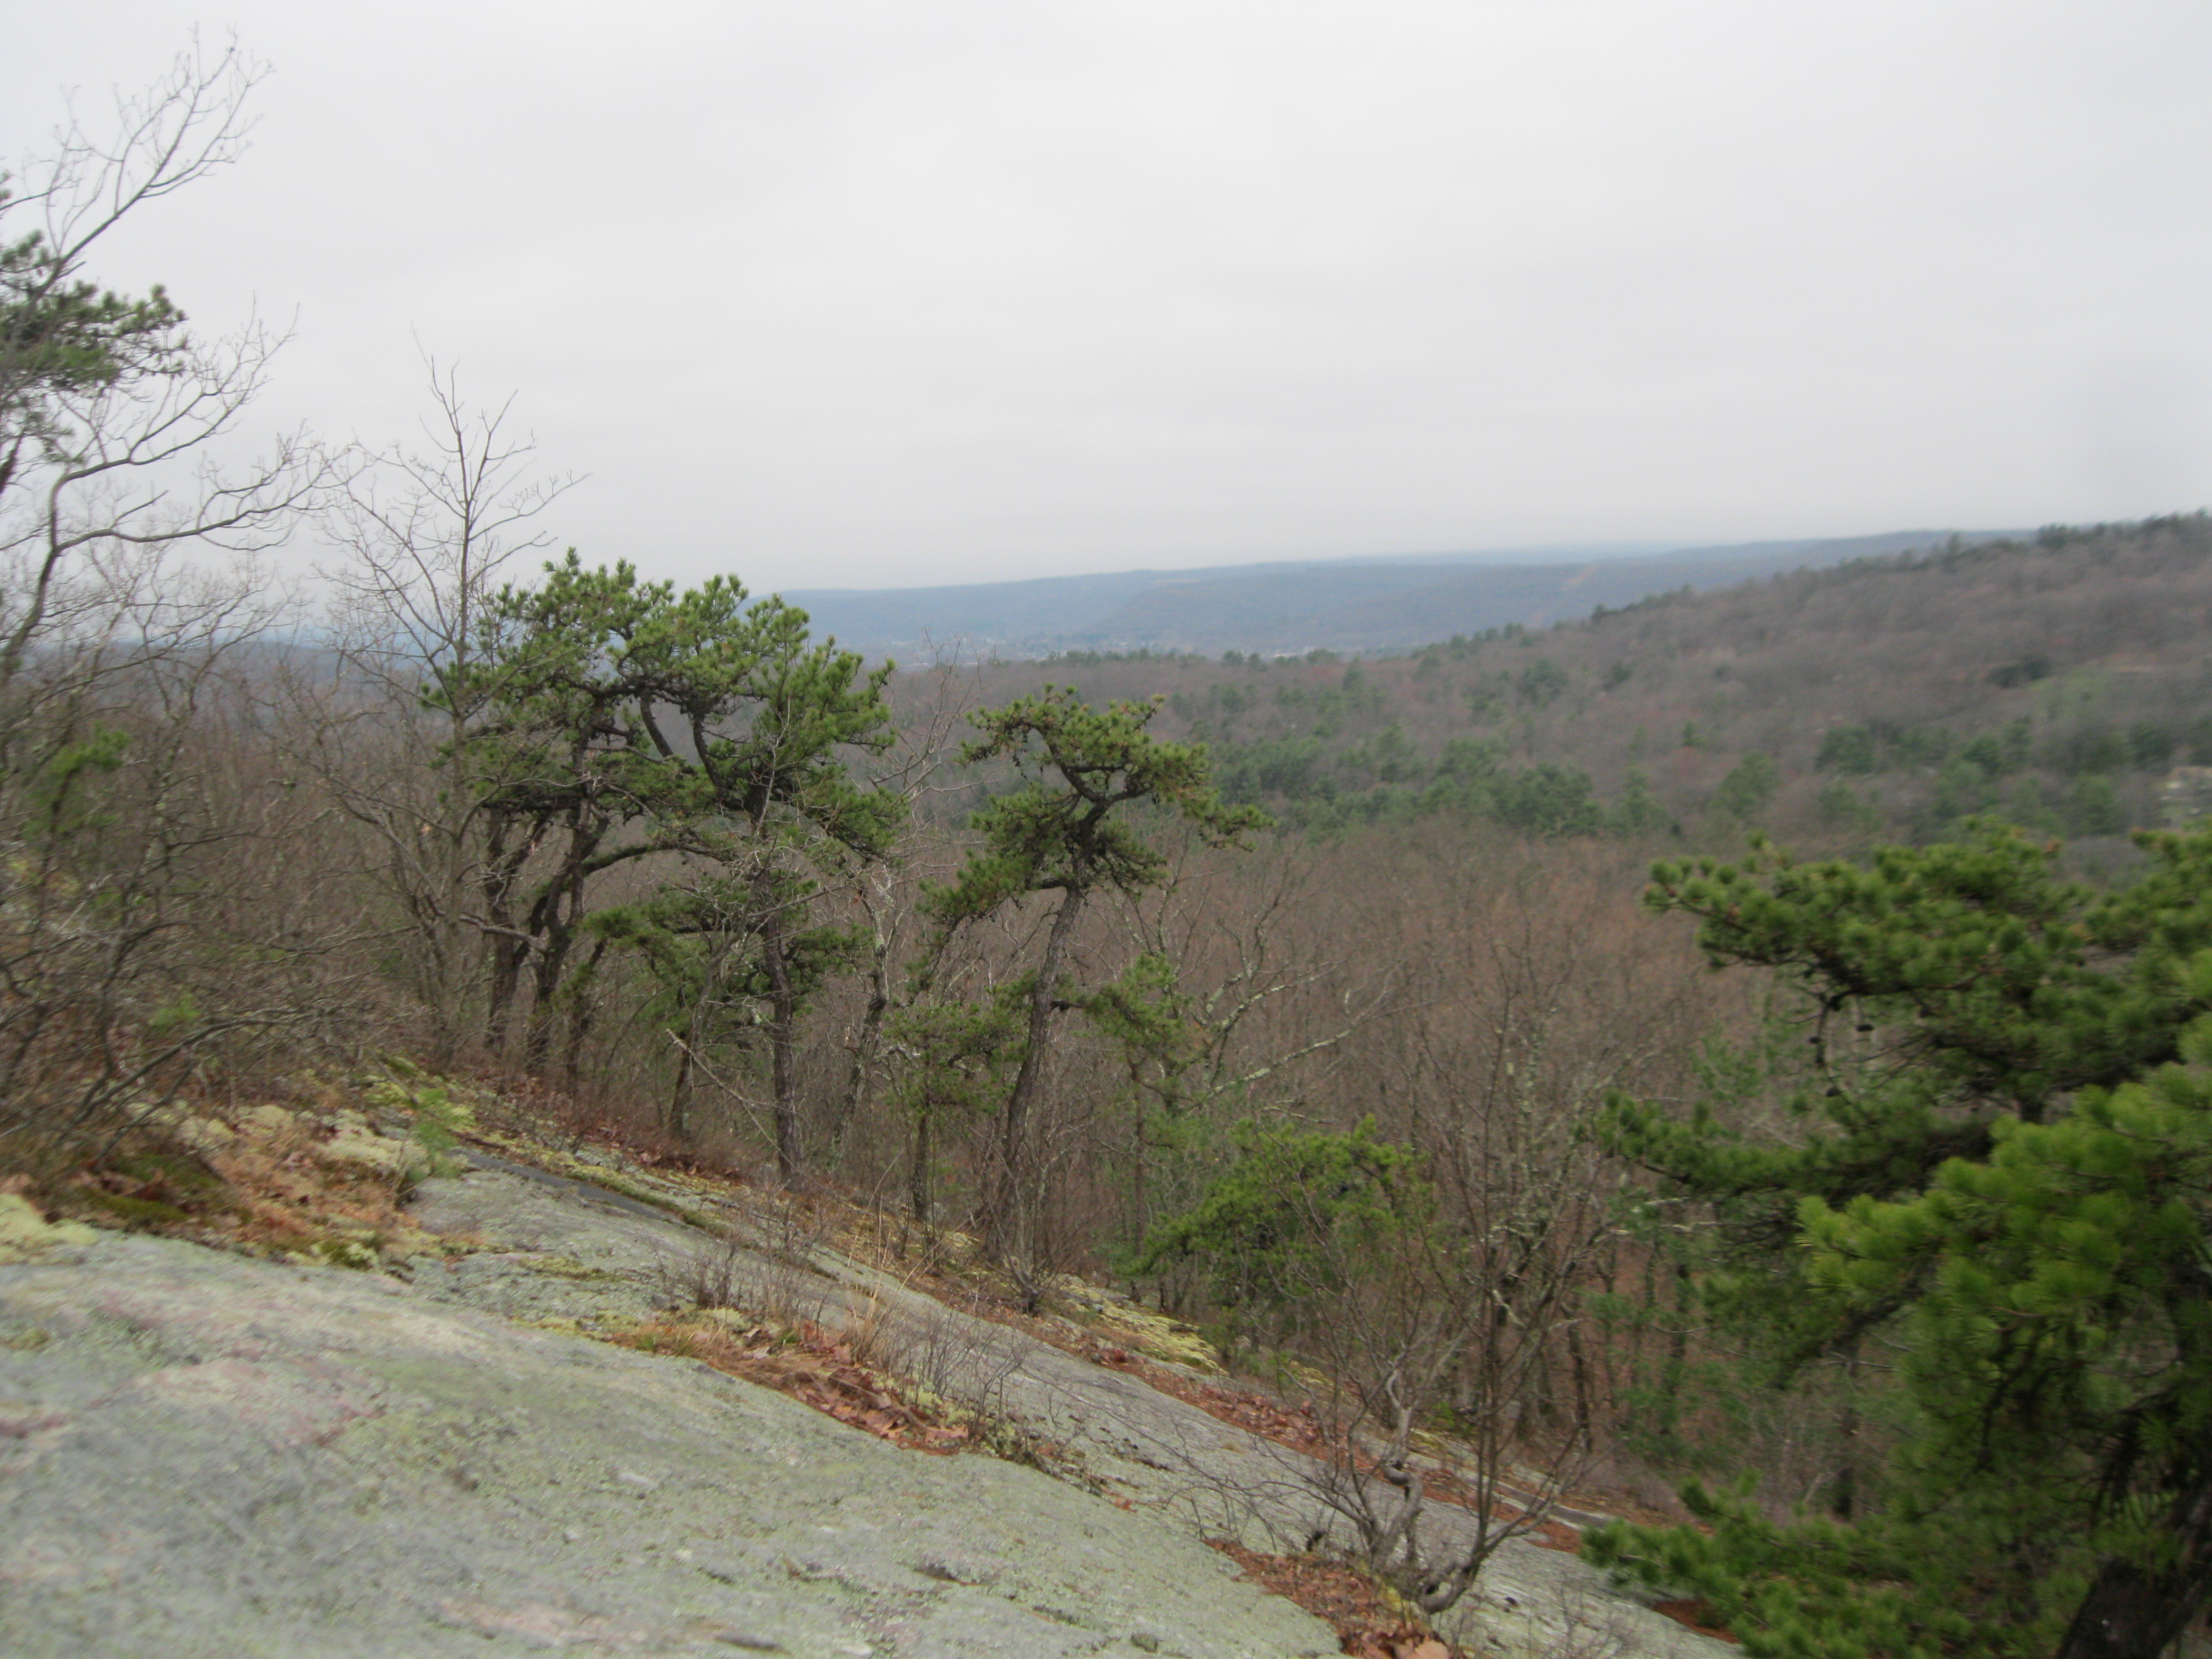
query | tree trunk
[865, 1042]
[1004, 1235]
[554, 918]
[2134, 1611]
[1677, 1360]
[507, 958]
[917, 1180]
[1585, 1404]
[441, 981]
[545, 987]
[580, 1020]
[783, 1005]
[503, 942]
[1140, 1221]
[438, 920]
[1843, 1503]
[679, 1098]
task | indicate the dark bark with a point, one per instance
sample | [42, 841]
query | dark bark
[679, 1098]
[552, 961]
[1677, 1367]
[506, 958]
[866, 1043]
[555, 917]
[580, 1020]
[1585, 1401]
[2134, 1611]
[1843, 1503]
[783, 1023]
[1140, 1197]
[1006, 1238]
[503, 942]
[918, 1176]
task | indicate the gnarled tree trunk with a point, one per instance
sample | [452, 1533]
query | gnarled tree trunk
[1006, 1237]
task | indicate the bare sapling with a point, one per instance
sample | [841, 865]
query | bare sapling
[1445, 1440]
[423, 534]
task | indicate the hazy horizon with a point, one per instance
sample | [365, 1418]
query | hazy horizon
[1538, 554]
[860, 296]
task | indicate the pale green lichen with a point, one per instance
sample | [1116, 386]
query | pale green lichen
[1159, 1336]
[26, 1235]
[361, 1254]
[440, 1106]
[555, 1162]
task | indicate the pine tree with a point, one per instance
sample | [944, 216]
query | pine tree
[2001, 1168]
[1065, 830]
[616, 720]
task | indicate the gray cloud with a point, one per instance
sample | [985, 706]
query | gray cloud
[843, 294]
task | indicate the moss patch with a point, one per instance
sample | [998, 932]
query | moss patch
[150, 1214]
[554, 1161]
[1158, 1336]
[562, 1266]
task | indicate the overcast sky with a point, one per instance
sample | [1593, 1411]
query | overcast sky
[840, 294]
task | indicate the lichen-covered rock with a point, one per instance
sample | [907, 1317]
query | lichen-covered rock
[27, 1235]
[190, 1130]
[1148, 1448]
[210, 1457]
[357, 1149]
[270, 1122]
[206, 1136]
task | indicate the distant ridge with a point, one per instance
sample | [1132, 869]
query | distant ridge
[1360, 604]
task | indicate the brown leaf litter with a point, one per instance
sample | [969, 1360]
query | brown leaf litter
[1344, 1599]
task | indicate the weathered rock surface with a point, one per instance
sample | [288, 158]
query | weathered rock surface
[205, 1454]
[560, 1249]
[202, 1454]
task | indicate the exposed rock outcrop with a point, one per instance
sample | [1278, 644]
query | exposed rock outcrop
[205, 1454]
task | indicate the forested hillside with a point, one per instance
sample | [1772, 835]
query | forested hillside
[2056, 683]
[1375, 603]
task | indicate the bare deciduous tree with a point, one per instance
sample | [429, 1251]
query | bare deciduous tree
[424, 533]
[109, 406]
[124, 954]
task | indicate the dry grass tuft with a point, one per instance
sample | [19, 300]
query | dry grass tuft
[265, 1179]
[814, 1366]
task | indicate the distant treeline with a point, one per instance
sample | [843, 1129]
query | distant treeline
[2050, 681]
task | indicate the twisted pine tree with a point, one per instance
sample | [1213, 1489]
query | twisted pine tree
[1065, 829]
[613, 723]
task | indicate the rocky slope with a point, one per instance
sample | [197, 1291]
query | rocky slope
[206, 1454]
